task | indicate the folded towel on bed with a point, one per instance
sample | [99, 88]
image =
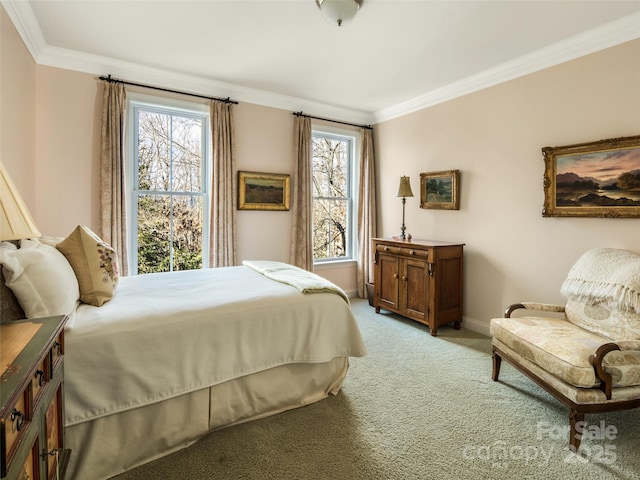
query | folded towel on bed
[303, 280]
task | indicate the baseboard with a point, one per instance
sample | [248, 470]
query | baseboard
[476, 326]
[469, 323]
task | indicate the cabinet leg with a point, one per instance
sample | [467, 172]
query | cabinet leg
[377, 309]
[434, 332]
[456, 325]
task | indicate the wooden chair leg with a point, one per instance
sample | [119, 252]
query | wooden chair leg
[575, 437]
[497, 360]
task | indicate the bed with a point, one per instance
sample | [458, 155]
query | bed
[174, 356]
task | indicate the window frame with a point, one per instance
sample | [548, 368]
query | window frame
[136, 102]
[352, 185]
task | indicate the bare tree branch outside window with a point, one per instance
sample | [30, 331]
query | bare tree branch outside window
[331, 157]
[169, 191]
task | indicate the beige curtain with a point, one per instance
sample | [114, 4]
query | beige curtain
[367, 228]
[222, 237]
[113, 203]
[301, 233]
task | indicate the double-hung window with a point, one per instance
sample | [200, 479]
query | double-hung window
[334, 235]
[168, 193]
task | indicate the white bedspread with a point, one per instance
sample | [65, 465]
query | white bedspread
[167, 334]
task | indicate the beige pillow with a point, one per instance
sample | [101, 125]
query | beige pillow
[94, 263]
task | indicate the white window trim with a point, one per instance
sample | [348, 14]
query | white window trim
[135, 100]
[354, 176]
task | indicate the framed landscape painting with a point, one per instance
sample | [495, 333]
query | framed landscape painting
[597, 179]
[263, 191]
[439, 189]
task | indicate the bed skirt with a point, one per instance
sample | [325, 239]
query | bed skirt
[107, 446]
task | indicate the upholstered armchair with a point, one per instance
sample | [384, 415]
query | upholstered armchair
[585, 353]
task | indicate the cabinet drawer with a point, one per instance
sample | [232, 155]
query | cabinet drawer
[39, 380]
[404, 251]
[57, 350]
[14, 425]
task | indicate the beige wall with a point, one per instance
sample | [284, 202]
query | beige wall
[50, 144]
[494, 138]
[49, 135]
[67, 147]
[17, 110]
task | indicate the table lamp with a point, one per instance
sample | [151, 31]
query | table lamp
[15, 220]
[404, 191]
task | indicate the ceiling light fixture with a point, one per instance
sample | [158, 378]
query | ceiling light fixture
[339, 11]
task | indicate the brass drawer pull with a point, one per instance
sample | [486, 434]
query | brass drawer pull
[18, 418]
[412, 252]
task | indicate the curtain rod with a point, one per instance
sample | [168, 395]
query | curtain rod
[300, 114]
[114, 80]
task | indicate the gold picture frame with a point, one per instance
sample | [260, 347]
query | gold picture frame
[263, 191]
[596, 179]
[440, 190]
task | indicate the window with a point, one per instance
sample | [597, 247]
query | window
[333, 203]
[168, 201]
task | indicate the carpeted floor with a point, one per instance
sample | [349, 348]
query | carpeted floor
[417, 407]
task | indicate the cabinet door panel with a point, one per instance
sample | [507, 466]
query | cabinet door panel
[415, 291]
[29, 469]
[388, 279]
[53, 431]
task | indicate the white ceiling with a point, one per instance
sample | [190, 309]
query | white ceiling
[394, 57]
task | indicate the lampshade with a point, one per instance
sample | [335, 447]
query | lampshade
[15, 220]
[339, 11]
[405, 188]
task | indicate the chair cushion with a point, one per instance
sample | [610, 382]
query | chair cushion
[600, 318]
[564, 350]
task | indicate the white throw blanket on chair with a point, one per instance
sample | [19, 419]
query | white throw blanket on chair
[606, 274]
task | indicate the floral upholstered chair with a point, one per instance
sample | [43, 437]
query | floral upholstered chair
[588, 357]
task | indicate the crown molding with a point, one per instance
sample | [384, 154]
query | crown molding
[98, 65]
[23, 18]
[599, 38]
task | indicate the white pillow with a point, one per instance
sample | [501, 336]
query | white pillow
[41, 279]
[49, 240]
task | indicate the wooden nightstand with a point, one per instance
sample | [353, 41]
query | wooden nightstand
[32, 443]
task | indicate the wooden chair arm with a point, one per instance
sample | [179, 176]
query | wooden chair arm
[606, 381]
[540, 307]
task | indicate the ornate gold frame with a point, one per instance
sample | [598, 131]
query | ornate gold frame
[450, 177]
[272, 181]
[583, 195]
